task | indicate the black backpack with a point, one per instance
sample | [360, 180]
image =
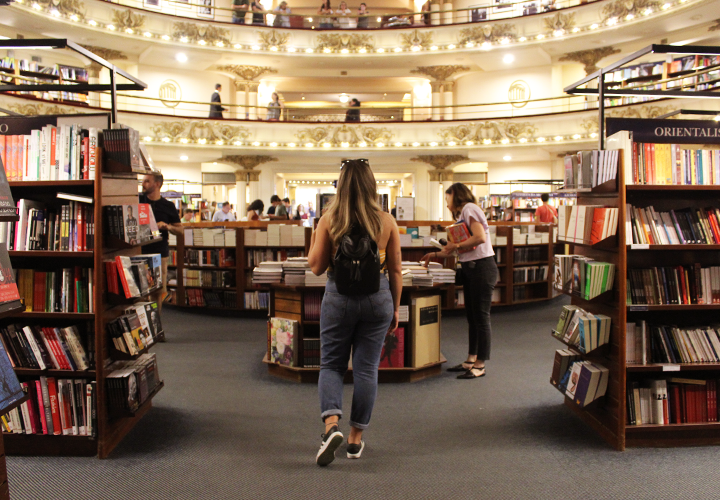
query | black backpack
[357, 264]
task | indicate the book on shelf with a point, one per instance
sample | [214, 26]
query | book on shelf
[210, 236]
[130, 382]
[213, 258]
[586, 224]
[311, 353]
[256, 300]
[674, 285]
[583, 330]
[658, 343]
[55, 407]
[588, 169]
[122, 144]
[7, 205]
[312, 302]
[672, 400]
[68, 290]
[9, 292]
[564, 358]
[284, 334]
[529, 274]
[214, 279]
[128, 334]
[133, 276]
[133, 223]
[10, 389]
[52, 153]
[48, 348]
[588, 382]
[646, 226]
[393, 351]
[583, 276]
[255, 257]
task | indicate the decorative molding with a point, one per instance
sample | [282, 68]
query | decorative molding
[247, 162]
[439, 162]
[245, 86]
[273, 38]
[620, 9]
[247, 175]
[66, 8]
[489, 130]
[716, 26]
[41, 109]
[343, 135]
[417, 39]
[245, 73]
[124, 19]
[440, 175]
[590, 125]
[439, 73]
[193, 33]
[349, 41]
[108, 54]
[590, 58]
[560, 22]
[203, 130]
[492, 33]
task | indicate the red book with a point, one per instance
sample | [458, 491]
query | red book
[393, 351]
[597, 224]
[86, 158]
[457, 233]
[53, 148]
[119, 266]
[702, 403]
[49, 334]
[41, 407]
[635, 163]
[2, 152]
[54, 406]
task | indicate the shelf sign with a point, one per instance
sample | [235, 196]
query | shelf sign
[638, 246]
[638, 308]
[670, 368]
[667, 131]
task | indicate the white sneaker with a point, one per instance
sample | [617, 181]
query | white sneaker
[355, 450]
[331, 442]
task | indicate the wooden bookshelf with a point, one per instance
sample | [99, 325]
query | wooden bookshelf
[105, 190]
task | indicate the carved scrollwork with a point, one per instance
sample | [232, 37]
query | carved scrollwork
[201, 130]
[193, 33]
[716, 26]
[490, 130]
[440, 73]
[273, 38]
[642, 111]
[41, 109]
[494, 33]
[417, 39]
[620, 9]
[344, 135]
[66, 8]
[439, 162]
[349, 41]
[127, 19]
[589, 58]
[247, 162]
[560, 22]
[244, 72]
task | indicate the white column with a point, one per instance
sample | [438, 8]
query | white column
[242, 201]
[447, 17]
[252, 100]
[448, 112]
[447, 216]
[240, 98]
[436, 99]
[94, 79]
[104, 77]
[434, 14]
[434, 208]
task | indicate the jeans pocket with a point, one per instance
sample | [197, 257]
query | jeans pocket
[382, 304]
[334, 305]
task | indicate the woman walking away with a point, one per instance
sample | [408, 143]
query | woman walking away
[479, 275]
[360, 306]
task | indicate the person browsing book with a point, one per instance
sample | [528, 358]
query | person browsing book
[479, 274]
[168, 221]
[224, 214]
[360, 306]
[545, 212]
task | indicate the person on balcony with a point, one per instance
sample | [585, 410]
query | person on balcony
[426, 15]
[216, 109]
[240, 9]
[362, 21]
[353, 114]
[326, 23]
[345, 22]
[282, 17]
[274, 107]
[257, 8]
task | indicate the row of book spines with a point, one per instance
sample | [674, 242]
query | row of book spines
[255, 257]
[55, 407]
[66, 290]
[66, 152]
[674, 285]
[672, 164]
[312, 301]
[527, 274]
[590, 168]
[220, 299]
[672, 401]
[217, 258]
[311, 353]
[676, 227]
[257, 300]
[73, 229]
[586, 224]
[44, 348]
[670, 344]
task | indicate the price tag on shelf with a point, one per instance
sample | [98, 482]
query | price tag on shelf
[637, 246]
[638, 308]
[671, 368]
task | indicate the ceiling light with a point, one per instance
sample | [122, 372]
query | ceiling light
[451, 46]
[238, 143]
[308, 51]
[147, 34]
[255, 47]
[380, 50]
[433, 144]
[273, 48]
[469, 143]
[326, 144]
[523, 140]
[576, 136]
[111, 27]
[558, 138]
[470, 45]
[183, 158]
[504, 41]
[647, 11]
[309, 19]
[507, 157]
[147, 138]
[362, 50]
[219, 142]
[36, 6]
[237, 46]
[451, 143]
[291, 144]
[666, 6]
[380, 144]
[415, 144]
[256, 143]
[202, 141]
[505, 141]
[434, 47]
[345, 144]
[540, 139]
[593, 135]
[522, 39]
[201, 42]
[273, 144]
[612, 21]
[398, 144]
[344, 51]
[166, 139]
[219, 44]
[508, 58]
[363, 144]
[74, 17]
[486, 45]
[180, 57]
[55, 13]
[540, 36]
[291, 49]
[165, 37]
[309, 144]
[557, 33]
[397, 49]
[184, 39]
[379, 19]
[344, 98]
[487, 141]
[327, 50]
[576, 29]
[594, 26]
[214, 163]
[90, 22]
[415, 48]
[630, 17]
[129, 31]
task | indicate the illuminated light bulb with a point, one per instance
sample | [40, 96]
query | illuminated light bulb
[415, 144]
[36, 6]
[576, 136]
[507, 157]
[147, 138]
[309, 19]
[380, 144]
[166, 139]
[273, 144]
[558, 138]
[363, 50]
[666, 6]
[326, 144]
[576, 30]
[74, 17]
[451, 46]
[111, 27]
[309, 144]
[291, 49]
[219, 44]
[201, 42]
[184, 140]
[397, 49]
[327, 50]
[557, 33]
[505, 141]
[363, 144]
[612, 21]
[202, 141]
[630, 17]
[256, 143]
[398, 144]
[129, 31]
[345, 144]
[165, 37]
[180, 57]
[523, 140]
[344, 51]
[594, 135]
[380, 50]
[647, 11]
[508, 58]
[184, 39]
[540, 139]
[470, 45]
[469, 143]
[522, 39]
[237, 46]
[291, 144]
[486, 45]
[308, 51]
[504, 41]
[434, 47]
[237, 143]
[219, 143]
[451, 143]
[415, 48]
[487, 141]
[255, 47]
[379, 19]
[274, 48]
[540, 36]
[433, 144]
[183, 158]
[594, 26]
[147, 34]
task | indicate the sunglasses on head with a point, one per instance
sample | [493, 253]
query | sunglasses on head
[345, 162]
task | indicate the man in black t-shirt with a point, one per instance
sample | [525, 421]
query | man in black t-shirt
[168, 220]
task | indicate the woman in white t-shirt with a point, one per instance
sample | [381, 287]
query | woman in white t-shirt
[343, 21]
[479, 274]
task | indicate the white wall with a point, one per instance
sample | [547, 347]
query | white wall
[185, 171]
[512, 171]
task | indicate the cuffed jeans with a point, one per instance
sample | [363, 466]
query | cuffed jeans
[479, 278]
[358, 323]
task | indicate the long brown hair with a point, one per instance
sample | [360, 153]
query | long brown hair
[461, 196]
[355, 202]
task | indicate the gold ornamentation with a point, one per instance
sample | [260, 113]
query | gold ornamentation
[490, 130]
[247, 162]
[716, 27]
[344, 135]
[560, 22]
[107, 54]
[273, 38]
[642, 111]
[620, 9]
[193, 33]
[124, 19]
[590, 58]
[41, 109]
[247, 175]
[439, 73]
[439, 162]
[349, 41]
[66, 8]
[199, 130]
[245, 73]
[417, 39]
[590, 125]
[488, 33]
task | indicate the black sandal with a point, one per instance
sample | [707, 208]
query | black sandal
[469, 374]
[459, 368]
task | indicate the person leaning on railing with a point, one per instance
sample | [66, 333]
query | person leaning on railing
[345, 22]
[258, 16]
[325, 9]
[274, 107]
[282, 18]
[240, 9]
[362, 21]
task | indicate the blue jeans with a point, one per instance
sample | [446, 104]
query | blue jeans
[359, 323]
[479, 278]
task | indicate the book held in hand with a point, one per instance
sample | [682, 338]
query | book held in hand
[459, 232]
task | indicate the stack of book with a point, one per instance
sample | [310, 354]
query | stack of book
[298, 236]
[440, 276]
[588, 169]
[582, 276]
[404, 314]
[407, 277]
[214, 279]
[586, 224]
[267, 272]
[130, 383]
[64, 290]
[674, 285]
[581, 329]
[420, 275]
[273, 235]
[46, 348]
[312, 280]
[255, 237]
[676, 227]
[134, 276]
[672, 401]
[137, 329]
[132, 224]
[671, 344]
[55, 407]
[208, 237]
[294, 270]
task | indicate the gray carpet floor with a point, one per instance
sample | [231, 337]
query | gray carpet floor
[222, 428]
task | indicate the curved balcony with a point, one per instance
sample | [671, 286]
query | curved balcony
[501, 27]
